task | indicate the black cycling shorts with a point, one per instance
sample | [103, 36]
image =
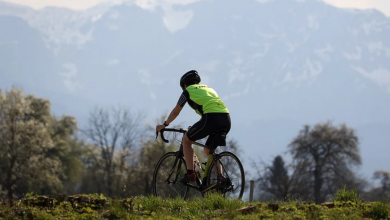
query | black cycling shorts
[209, 124]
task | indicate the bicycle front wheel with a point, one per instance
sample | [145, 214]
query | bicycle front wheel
[233, 183]
[169, 169]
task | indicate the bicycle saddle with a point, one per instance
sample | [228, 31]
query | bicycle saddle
[217, 139]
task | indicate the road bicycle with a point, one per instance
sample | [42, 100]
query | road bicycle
[172, 166]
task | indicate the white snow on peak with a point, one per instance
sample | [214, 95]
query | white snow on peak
[170, 58]
[312, 69]
[173, 20]
[380, 76]
[356, 55]
[146, 4]
[235, 73]
[70, 82]
[65, 26]
[375, 47]
[176, 20]
[244, 91]
[374, 26]
[59, 25]
[291, 47]
[264, 1]
[262, 52]
[325, 53]
[153, 4]
[96, 17]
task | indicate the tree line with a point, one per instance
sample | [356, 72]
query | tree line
[114, 154]
[48, 154]
[325, 159]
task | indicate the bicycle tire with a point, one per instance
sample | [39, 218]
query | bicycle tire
[164, 168]
[231, 168]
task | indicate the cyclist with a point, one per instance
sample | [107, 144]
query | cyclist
[215, 117]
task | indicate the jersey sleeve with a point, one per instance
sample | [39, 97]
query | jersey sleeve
[183, 99]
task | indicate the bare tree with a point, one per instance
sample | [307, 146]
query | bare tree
[327, 151]
[384, 177]
[346, 177]
[152, 149]
[383, 191]
[114, 135]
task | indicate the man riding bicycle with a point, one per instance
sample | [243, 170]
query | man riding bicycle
[215, 119]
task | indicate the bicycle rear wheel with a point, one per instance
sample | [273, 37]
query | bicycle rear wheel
[168, 171]
[233, 184]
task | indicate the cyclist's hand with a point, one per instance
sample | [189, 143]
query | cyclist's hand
[159, 128]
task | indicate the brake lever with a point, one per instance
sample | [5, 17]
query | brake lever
[162, 136]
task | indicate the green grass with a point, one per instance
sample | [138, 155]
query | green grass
[345, 195]
[213, 206]
[380, 210]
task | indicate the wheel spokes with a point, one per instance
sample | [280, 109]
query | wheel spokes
[167, 172]
[233, 172]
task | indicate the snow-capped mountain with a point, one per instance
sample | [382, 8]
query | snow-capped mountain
[277, 65]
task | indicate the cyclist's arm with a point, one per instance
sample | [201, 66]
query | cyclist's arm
[174, 113]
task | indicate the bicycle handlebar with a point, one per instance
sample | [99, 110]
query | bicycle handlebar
[180, 130]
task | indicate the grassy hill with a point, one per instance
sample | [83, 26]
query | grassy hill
[211, 207]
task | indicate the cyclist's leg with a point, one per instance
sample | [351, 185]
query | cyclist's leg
[206, 151]
[188, 151]
[198, 131]
[209, 124]
[217, 171]
[221, 122]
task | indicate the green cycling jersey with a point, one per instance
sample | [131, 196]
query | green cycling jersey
[202, 99]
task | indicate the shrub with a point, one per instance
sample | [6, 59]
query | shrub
[380, 210]
[345, 195]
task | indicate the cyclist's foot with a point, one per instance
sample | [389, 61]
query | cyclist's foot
[188, 178]
[221, 178]
[204, 185]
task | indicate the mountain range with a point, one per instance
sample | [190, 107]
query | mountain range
[277, 65]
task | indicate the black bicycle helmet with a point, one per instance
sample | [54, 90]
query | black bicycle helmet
[189, 78]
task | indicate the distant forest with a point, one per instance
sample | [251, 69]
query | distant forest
[115, 154]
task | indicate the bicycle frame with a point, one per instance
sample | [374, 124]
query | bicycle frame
[179, 154]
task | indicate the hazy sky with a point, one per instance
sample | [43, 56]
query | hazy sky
[381, 5]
